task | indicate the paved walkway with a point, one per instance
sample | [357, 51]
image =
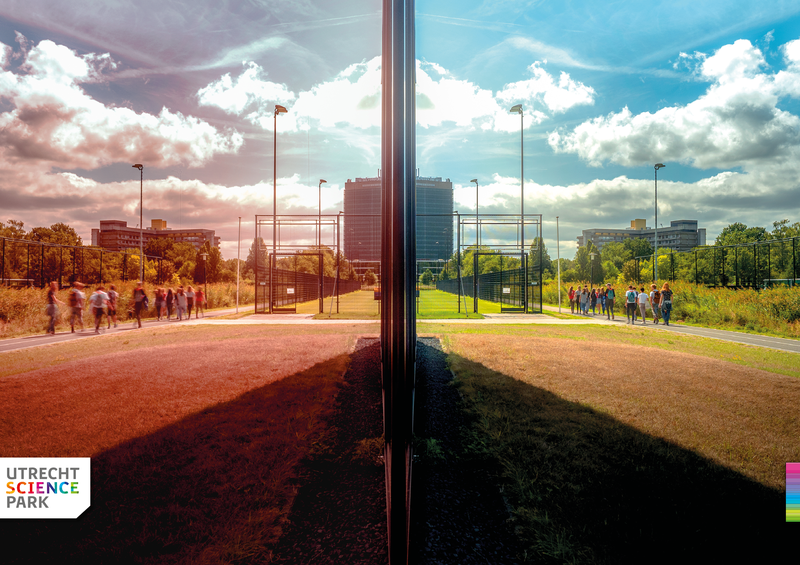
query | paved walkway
[489, 319]
[783, 344]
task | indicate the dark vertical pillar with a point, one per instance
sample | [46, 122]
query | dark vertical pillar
[769, 263]
[755, 266]
[101, 265]
[458, 259]
[695, 267]
[794, 258]
[60, 264]
[338, 258]
[41, 268]
[398, 253]
[4, 261]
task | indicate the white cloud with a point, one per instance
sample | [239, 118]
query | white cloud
[353, 98]
[54, 121]
[736, 122]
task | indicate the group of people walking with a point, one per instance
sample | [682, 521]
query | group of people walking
[586, 299]
[104, 302]
[659, 301]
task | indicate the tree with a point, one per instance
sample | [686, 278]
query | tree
[629, 271]
[57, 233]
[14, 229]
[639, 247]
[159, 247]
[369, 278]
[616, 253]
[181, 253]
[250, 262]
[737, 233]
[427, 277]
[533, 256]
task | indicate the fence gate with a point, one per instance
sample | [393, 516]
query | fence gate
[284, 285]
[513, 285]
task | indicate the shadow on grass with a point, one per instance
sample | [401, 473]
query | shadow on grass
[587, 488]
[213, 487]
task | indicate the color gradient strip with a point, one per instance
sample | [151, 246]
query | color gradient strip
[793, 492]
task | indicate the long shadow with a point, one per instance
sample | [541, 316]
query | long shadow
[212, 487]
[588, 488]
[339, 515]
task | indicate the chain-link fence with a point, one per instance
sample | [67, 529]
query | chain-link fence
[36, 263]
[753, 265]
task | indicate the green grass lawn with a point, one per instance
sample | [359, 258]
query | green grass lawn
[432, 305]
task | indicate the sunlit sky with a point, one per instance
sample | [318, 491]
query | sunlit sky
[711, 89]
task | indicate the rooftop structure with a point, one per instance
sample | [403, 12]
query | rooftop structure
[680, 235]
[116, 235]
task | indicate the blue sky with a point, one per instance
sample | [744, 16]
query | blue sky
[710, 89]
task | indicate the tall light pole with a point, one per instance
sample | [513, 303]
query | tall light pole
[278, 110]
[558, 264]
[592, 256]
[655, 238]
[238, 266]
[141, 225]
[477, 217]
[518, 109]
[205, 275]
[319, 219]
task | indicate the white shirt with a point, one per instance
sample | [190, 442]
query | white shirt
[643, 298]
[98, 299]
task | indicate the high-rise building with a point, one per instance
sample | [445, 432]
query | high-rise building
[362, 209]
[116, 235]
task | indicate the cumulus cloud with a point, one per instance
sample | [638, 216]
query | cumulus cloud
[353, 97]
[736, 122]
[52, 120]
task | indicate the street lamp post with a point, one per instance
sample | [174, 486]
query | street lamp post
[558, 263]
[655, 237]
[518, 108]
[319, 218]
[278, 110]
[205, 276]
[477, 217]
[141, 225]
[592, 255]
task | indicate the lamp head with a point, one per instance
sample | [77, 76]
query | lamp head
[516, 109]
[322, 181]
[138, 166]
[280, 109]
[474, 180]
[659, 166]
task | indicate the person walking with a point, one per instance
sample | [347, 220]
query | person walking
[170, 302]
[643, 300]
[200, 303]
[610, 294]
[139, 303]
[52, 307]
[189, 301]
[584, 300]
[98, 300]
[655, 299]
[113, 296]
[630, 304]
[666, 303]
[159, 300]
[593, 299]
[572, 300]
[76, 303]
[602, 297]
[180, 299]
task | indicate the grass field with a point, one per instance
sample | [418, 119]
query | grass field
[612, 443]
[195, 435]
[432, 305]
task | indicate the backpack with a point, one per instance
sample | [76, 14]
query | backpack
[656, 297]
[631, 295]
[73, 298]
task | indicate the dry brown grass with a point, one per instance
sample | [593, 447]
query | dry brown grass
[743, 418]
[78, 408]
